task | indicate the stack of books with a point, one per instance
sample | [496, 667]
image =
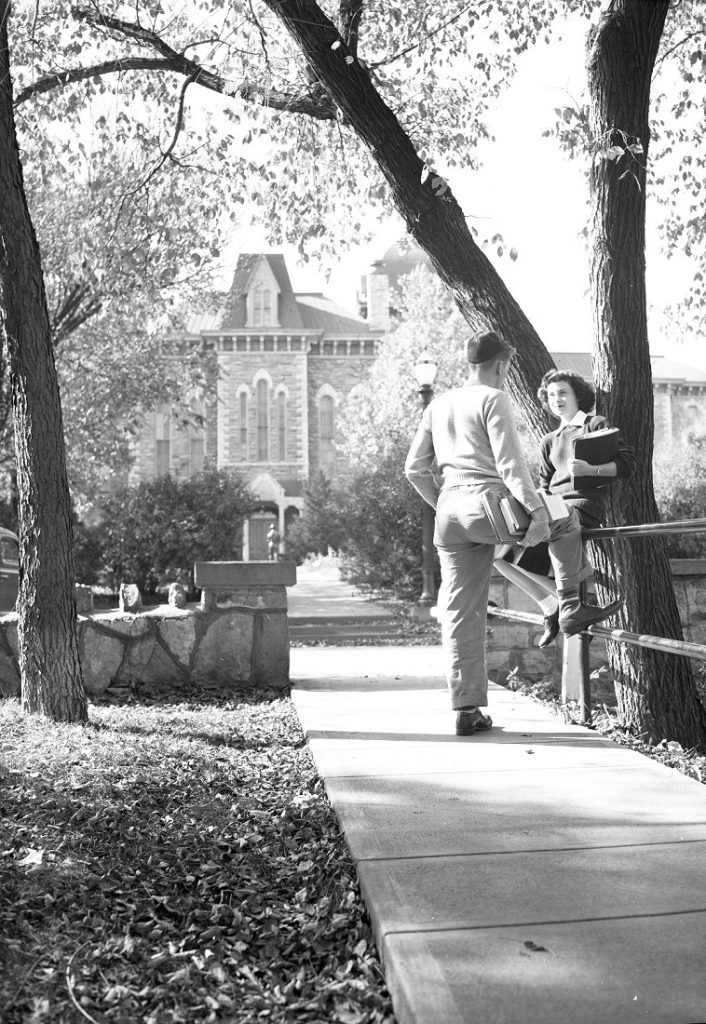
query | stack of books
[510, 519]
[517, 518]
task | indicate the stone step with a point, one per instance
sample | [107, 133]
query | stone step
[303, 632]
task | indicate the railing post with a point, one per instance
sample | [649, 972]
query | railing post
[575, 669]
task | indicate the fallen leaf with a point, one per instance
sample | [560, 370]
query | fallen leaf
[31, 857]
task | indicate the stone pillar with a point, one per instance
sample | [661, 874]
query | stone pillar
[246, 541]
[258, 589]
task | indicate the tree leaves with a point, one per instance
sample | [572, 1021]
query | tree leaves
[199, 873]
[439, 69]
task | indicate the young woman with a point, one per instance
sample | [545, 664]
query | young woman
[570, 398]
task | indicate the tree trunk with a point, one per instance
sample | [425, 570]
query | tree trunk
[48, 647]
[656, 692]
[432, 215]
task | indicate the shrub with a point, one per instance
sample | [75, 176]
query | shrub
[321, 527]
[383, 516]
[88, 552]
[680, 492]
[155, 531]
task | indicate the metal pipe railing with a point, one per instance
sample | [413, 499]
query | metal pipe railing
[655, 643]
[575, 666]
[646, 529]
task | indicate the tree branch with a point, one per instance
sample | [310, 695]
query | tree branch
[58, 79]
[77, 306]
[671, 50]
[415, 46]
[316, 105]
[349, 15]
[168, 151]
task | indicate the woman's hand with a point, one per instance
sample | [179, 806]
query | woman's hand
[577, 467]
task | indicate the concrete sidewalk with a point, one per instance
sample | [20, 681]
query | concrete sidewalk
[535, 873]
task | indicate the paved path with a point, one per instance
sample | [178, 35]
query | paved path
[324, 597]
[321, 606]
[536, 873]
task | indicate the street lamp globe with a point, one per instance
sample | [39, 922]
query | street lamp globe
[425, 370]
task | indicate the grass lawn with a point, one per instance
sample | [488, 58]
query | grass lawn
[176, 861]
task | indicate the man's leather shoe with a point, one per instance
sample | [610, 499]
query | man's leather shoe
[551, 629]
[584, 615]
[468, 722]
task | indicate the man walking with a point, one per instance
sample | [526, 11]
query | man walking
[470, 433]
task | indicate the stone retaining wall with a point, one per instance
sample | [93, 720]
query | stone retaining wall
[237, 635]
[512, 645]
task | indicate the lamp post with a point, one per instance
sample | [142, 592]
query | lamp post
[424, 372]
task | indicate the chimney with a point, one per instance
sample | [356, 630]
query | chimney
[378, 297]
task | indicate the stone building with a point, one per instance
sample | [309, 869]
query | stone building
[281, 364]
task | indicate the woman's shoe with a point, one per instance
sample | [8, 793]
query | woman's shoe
[578, 618]
[551, 629]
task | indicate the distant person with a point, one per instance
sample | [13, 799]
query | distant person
[272, 543]
[569, 398]
[469, 433]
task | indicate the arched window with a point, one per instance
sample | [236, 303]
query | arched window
[263, 421]
[326, 428]
[162, 440]
[243, 417]
[281, 426]
[197, 437]
[262, 306]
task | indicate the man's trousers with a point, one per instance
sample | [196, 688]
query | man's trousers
[466, 545]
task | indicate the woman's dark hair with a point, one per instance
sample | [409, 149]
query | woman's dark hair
[585, 393]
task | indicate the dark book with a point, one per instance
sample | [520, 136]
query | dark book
[597, 448]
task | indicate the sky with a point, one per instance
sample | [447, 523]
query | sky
[530, 192]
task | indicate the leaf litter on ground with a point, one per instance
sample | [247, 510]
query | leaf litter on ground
[177, 861]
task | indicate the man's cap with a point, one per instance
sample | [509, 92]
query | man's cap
[486, 345]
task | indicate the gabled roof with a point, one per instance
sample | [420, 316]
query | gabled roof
[296, 311]
[235, 314]
[320, 313]
[664, 371]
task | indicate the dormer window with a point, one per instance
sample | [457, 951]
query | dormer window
[262, 299]
[262, 306]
